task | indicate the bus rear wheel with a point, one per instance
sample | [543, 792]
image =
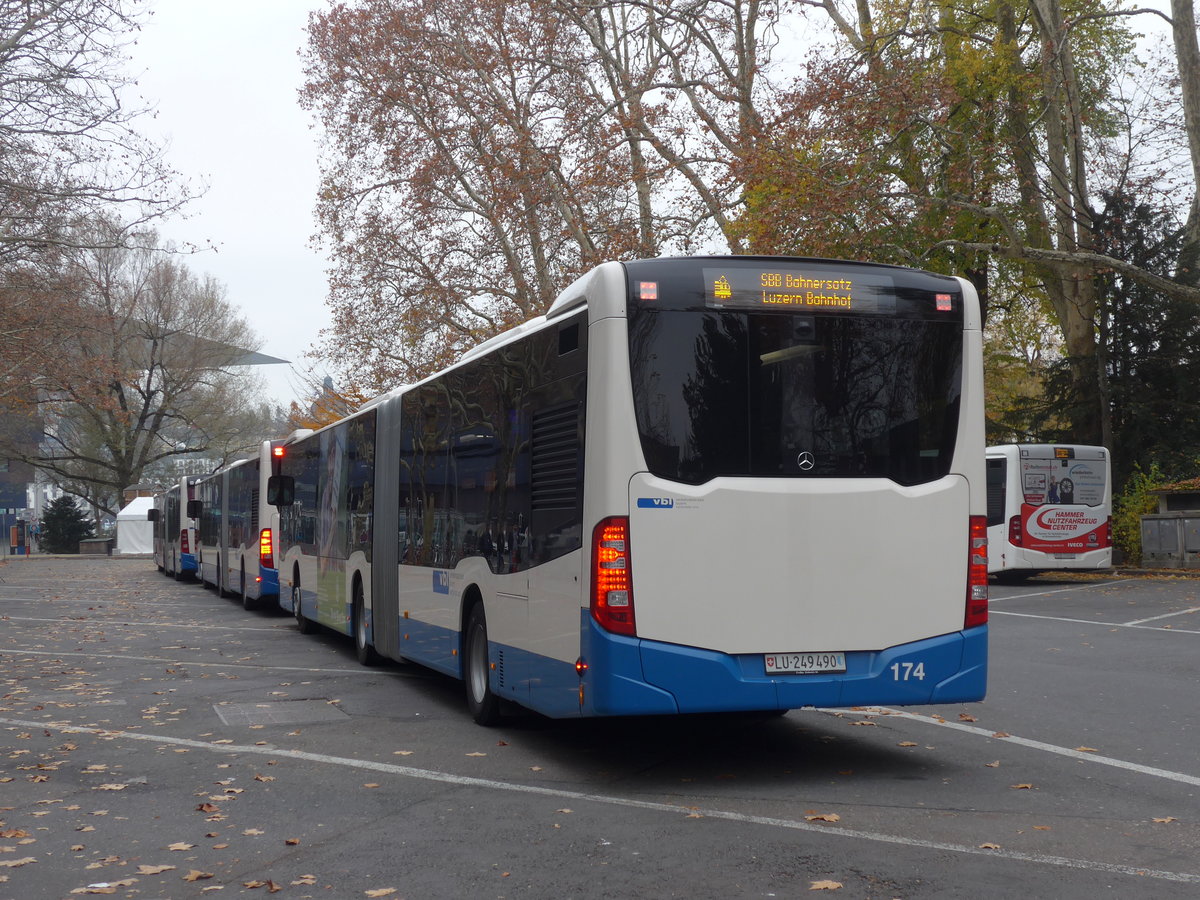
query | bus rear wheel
[248, 602]
[303, 624]
[483, 704]
[362, 641]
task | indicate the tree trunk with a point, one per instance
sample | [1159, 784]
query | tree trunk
[1183, 22]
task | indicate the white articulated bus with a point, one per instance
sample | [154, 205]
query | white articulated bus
[238, 529]
[695, 485]
[175, 529]
[1049, 507]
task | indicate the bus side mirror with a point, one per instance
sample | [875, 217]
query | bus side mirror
[281, 490]
[152, 515]
[194, 508]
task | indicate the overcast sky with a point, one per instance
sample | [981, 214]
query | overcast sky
[224, 75]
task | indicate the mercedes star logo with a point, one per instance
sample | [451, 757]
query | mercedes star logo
[805, 461]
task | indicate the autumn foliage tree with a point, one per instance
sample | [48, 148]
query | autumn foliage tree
[479, 157]
[69, 147]
[152, 376]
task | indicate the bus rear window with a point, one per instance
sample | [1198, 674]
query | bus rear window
[747, 393]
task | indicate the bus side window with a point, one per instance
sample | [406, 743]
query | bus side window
[997, 490]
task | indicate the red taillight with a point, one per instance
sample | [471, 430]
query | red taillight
[1015, 534]
[977, 574]
[612, 581]
[183, 542]
[266, 549]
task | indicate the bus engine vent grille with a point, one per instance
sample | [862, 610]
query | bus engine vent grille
[555, 457]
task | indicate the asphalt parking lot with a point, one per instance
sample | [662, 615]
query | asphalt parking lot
[161, 742]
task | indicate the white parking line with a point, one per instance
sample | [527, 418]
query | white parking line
[187, 663]
[998, 612]
[625, 802]
[1081, 755]
[1184, 612]
[1066, 590]
[108, 623]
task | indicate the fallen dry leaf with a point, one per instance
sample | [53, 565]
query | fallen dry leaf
[305, 880]
[111, 787]
[181, 845]
[476, 754]
[826, 886]
[823, 817]
[197, 875]
[1087, 750]
[907, 744]
[153, 870]
[1021, 787]
[1166, 819]
[14, 863]
[1000, 734]
[989, 846]
[966, 717]
[380, 892]
[993, 765]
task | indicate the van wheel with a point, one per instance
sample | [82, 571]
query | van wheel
[303, 625]
[483, 704]
[362, 641]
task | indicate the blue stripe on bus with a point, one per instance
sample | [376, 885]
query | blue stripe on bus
[631, 676]
[628, 676]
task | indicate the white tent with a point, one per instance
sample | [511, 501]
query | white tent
[135, 533]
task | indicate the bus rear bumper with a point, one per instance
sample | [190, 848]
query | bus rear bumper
[629, 676]
[268, 583]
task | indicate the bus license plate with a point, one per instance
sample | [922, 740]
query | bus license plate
[804, 663]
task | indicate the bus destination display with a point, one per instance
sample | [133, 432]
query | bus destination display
[798, 288]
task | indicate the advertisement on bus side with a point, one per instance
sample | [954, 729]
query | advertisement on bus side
[1073, 481]
[1063, 529]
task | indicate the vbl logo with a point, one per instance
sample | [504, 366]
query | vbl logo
[441, 582]
[655, 502]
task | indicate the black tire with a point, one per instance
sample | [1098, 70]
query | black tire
[362, 643]
[483, 704]
[1013, 576]
[303, 625]
[248, 602]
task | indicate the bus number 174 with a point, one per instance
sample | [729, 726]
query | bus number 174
[906, 671]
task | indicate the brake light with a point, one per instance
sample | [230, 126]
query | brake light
[612, 581]
[1015, 534]
[266, 549]
[183, 542]
[977, 574]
